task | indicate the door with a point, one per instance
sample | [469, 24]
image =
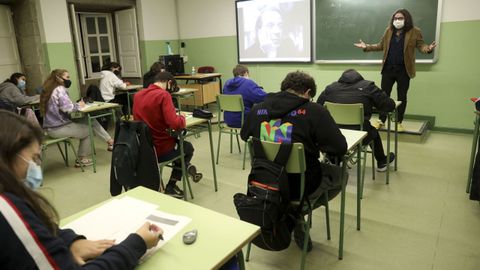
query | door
[9, 58]
[127, 38]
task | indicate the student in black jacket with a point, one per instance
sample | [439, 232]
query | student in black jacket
[30, 236]
[353, 88]
[289, 116]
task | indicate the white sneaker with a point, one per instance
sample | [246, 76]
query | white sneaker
[378, 124]
[400, 127]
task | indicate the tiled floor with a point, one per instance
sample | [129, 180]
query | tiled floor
[422, 220]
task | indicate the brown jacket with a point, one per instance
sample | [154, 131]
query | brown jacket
[413, 39]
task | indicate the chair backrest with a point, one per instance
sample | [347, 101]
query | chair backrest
[346, 114]
[296, 161]
[206, 69]
[230, 103]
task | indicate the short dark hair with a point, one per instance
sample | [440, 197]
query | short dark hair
[239, 70]
[408, 19]
[157, 67]
[299, 82]
[163, 77]
[111, 65]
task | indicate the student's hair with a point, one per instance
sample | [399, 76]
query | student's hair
[14, 78]
[111, 65]
[53, 81]
[408, 19]
[299, 82]
[163, 77]
[21, 134]
[157, 67]
[239, 70]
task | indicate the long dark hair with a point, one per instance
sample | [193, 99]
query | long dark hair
[14, 78]
[53, 80]
[408, 20]
[20, 134]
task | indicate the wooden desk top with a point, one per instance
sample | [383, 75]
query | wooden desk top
[219, 236]
[198, 76]
[184, 91]
[130, 87]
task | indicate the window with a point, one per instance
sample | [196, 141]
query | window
[98, 45]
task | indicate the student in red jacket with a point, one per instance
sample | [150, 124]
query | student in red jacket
[154, 107]
[29, 229]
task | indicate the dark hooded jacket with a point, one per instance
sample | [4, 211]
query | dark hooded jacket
[352, 88]
[284, 116]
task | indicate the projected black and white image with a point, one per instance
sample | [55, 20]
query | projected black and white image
[273, 31]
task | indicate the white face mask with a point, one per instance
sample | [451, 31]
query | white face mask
[399, 24]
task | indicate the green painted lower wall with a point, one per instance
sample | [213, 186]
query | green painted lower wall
[61, 56]
[150, 50]
[441, 90]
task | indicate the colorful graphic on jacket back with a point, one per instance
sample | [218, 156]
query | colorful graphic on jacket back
[275, 131]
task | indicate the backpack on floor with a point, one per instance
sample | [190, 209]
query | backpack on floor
[125, 154]
[267, 201]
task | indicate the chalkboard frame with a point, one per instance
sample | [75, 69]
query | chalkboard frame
[380, 54]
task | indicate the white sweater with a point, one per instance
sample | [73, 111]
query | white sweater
[109, 83]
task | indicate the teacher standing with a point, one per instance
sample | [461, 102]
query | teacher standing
[398, 45]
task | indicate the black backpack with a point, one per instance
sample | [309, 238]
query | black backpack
[125, 154]
[267, 201]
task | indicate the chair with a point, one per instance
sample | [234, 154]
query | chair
[168, 163]
[352, 115]
[206, 69]
[230, 103]
[66, 141]
[296, 164]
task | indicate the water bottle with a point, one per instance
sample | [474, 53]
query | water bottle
[193, 70]
[169, 49]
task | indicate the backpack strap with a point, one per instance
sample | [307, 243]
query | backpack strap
[283, 154]
[258, 149]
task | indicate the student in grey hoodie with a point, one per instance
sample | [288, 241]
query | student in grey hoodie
[13, 90]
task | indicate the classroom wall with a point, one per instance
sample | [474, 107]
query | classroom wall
[56, 40]
[441, 90]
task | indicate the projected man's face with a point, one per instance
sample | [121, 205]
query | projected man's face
[270, 32]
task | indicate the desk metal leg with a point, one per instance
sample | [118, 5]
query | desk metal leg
[128, 107]
[185, 181]
[92, 143]
[396, 140]
[359, 185]
[241, 261]
[473, 151]
[342, 208]
[212, 155]
[389, 124]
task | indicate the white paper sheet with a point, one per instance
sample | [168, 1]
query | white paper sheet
[121, 217]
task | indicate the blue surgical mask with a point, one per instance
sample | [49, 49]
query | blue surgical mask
[21, 84]
[34, 176]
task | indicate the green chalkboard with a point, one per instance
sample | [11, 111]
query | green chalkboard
[340, 23]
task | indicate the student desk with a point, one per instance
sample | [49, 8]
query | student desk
[474, 150]
[94, 108]
[354, 142]
[184, 93]
[220, 237]
[192, 122]
[207, 90]
[129, 90]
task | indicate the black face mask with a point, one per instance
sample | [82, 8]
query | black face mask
[172, 86]
[67, 83]
[116, 72]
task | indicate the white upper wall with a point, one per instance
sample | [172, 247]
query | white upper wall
[213, 18]
[206, 18]
[460, 10]
[157, 19]
[54, 26]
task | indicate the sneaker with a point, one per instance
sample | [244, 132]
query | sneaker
[378, 124]
[83, 162]
[174, 191]
[400, 127]
[299, 236]
[192, 172]
[381, 167]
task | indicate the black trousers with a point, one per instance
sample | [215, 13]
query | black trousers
[372, 135]
[391, 75]
[177, 171]
[122, 100]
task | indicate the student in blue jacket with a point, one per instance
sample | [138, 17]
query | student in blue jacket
[31, 238]
[251, 93]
